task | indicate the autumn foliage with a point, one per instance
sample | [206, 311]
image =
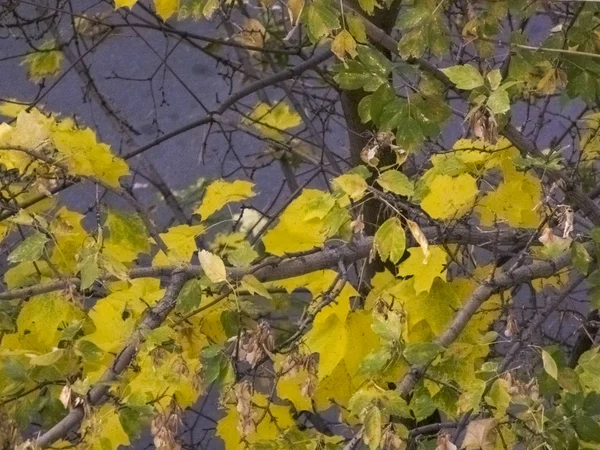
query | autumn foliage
[430, 282]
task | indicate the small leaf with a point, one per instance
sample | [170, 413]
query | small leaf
[352, 184]
[356, 26]
[29, 249]
[499, 102]
[251, 283]
[494, 78]
[549, 364]
[465, 77]
[390, 240]
[212, 266]
[396, 182]
[372, 424]
[344, 44]
[581, 258]
[47, 359]
[421, 353]
[419, 237]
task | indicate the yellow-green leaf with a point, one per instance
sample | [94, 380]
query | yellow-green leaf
[390, 240]
[44, 62]
[221, 192]
[352, 184]
[396, 182]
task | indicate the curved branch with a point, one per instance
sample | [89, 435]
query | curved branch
[281, 268]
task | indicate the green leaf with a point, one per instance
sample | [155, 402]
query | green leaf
[412, 17]
[412, 44]
[410, 134]
[494, 78]
[30, 249]
[380, 99]
[421, 353]
[587, 428]
[376, 362]
[364, 108]
[322, 19]
[190, 296]
[580, 257]
[499, 102]
[396, 182]
[549, 364]
[465, 77]
[390, 240]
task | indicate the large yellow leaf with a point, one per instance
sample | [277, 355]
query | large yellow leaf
[221, 192]
[181, 242]
[424, 269]
[122, 309]
[450, 197]
[103, 429]
[30, 130]
[41, 322]
[85, 156]
[515, 201]
[305, 224]
[269, 428]
[271, 120]
[163, 377]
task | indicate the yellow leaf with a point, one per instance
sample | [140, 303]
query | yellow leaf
[515, 201]
[221, 192]
[213, 266]
[103, 429]
[44, 62]
[169, 377]
[337, 386]
[289, 387]
[69, 238]
[166, 8]
[356, 26]
[181, 242]
[269, 426]
[352, 184]
[125, 3]
[122, 308]
[30, 130]
[40, 323]
[272, 120]
[11, 109]
[342, 44]
[450, 197]
[304, 225]
[424, 270]
[85, 156]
